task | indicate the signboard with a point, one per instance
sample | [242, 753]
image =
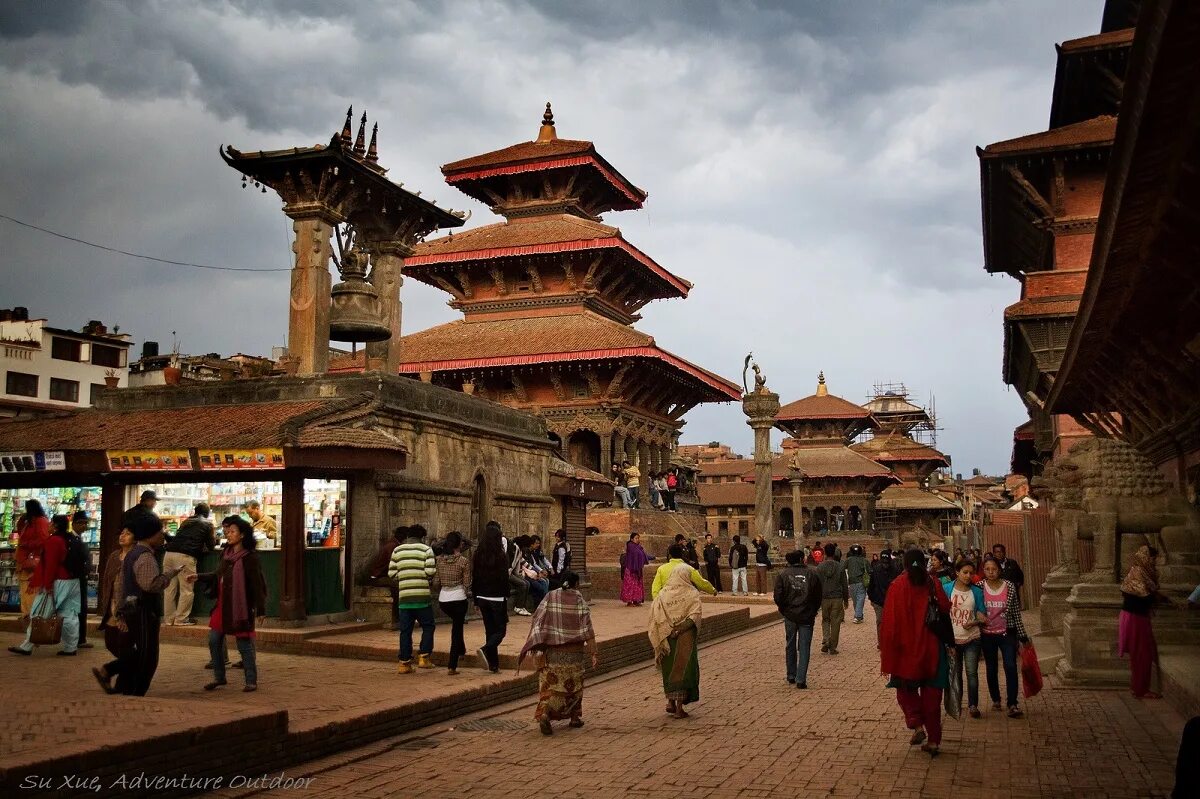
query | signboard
[149, 460]
[232, 459]
[12, 462]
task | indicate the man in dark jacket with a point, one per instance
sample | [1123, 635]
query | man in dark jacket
[835, 600]
[738, 555]
[376, 571]
[798, 595]
[856, 572]
[712, 562]
[882, 574]
[1009, 569]
[184, 550]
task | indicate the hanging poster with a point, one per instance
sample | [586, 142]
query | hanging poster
[32, 462]
[148, 460]
[262, 458]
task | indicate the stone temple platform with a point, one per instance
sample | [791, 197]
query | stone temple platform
[321, 690]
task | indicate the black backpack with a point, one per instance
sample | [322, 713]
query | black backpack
[76, 560]
[798, 586]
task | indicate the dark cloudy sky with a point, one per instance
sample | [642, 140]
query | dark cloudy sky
[811, 165]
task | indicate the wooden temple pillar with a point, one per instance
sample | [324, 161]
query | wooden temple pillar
[291, 534]
[606, 456]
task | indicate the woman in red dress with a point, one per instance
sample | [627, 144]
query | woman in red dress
[912, 655]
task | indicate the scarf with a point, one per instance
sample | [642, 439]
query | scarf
[635, 558]
[677, 602]
[240, 615]
[562, 618]
[1142, 579]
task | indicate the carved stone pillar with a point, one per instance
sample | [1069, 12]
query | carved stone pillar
[606, 455]
[308, 314]
[387, 260]
[760, 406]
[794, 481]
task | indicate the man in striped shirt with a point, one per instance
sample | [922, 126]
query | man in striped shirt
[412, 568]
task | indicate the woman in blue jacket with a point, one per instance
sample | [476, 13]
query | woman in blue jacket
[966, 613]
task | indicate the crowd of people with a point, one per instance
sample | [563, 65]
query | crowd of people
[652, 491]
[937, 615]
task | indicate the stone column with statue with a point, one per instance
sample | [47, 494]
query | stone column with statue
[760, 406]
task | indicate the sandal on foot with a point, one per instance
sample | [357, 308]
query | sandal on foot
[249, 689]
[577, 723]
[1015, 712]
[932, 749]
[214, 685]
[918, 737]
[974, 713]
[545, 727]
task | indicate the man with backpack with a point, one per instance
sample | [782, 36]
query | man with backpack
[63, 564]
[798, 595]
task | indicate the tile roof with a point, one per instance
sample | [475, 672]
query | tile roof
[725, 494]
[524, 151]
[572, 336]
[726, 468]
[819, 406]
[301, 424]
[981, 481]
[830, 461]
[908, 498]
[1091, 132]
[1043, 306]
[535, 236]
[898, 447]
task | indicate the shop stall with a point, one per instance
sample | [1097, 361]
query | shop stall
[302, 479]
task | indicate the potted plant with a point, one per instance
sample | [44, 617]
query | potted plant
[112, 378]
[172, 373]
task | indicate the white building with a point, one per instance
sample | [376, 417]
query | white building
[47, 369]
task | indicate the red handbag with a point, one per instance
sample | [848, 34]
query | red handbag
[1031, 672]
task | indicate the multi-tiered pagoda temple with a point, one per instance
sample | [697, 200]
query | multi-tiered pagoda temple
[549, 297]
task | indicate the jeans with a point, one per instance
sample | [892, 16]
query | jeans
[968, 656]
[518, 589]
[63, 600]
[858, 595]
[833, 611]
[799, 645]
[538, 590]
[740, 575]
[409, 617]
[457, 611]
[622, 496]
[495, 625]
[245, 648]
[878, 616]
[1006, 645]
[633, 496]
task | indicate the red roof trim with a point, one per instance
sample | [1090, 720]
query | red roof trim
[719, 384]
[556, 163]
[681, 285]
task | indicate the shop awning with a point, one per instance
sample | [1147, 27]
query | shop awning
[335, 434]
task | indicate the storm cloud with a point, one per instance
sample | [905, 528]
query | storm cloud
[811, 165]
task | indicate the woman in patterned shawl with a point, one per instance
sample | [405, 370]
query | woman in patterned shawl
[674, 630]
[561, 636]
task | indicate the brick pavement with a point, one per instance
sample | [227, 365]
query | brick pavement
[306, 705]
[754, 736]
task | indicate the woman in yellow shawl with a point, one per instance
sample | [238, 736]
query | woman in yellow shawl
[674, 629]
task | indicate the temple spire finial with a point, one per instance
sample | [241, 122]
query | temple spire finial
[547, 132]
[822, 389]
[347, 130]
[373, 149]
[360, 144]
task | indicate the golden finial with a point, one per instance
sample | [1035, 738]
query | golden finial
[547, 132]
[822, 389]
